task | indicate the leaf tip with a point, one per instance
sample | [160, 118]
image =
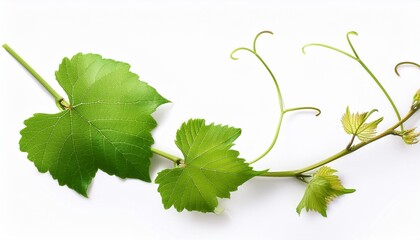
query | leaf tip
[299, 209]
[350, 190]
[84, 194]
[82, 189]
[166, 100]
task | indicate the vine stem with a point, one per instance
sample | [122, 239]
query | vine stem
[383, 90]
[281, 108]
[59, 100]
[365, 67]
[342, 153]
[282, 111]
[62, 104]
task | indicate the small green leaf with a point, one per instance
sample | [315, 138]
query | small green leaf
[355, 124]
[211, 168]
[107, 125]
[322, 189]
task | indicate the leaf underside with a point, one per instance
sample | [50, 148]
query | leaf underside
[321, 190]
[355, 124]
[211, 168]
[107, 126]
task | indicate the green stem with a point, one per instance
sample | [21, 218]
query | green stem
[58, 99]
[303, 108]
[342, 153]
[351, 141]
[383, 90]
[279, 95]
[281, 111]
[351, 45]
[403, 63]
[357, 58]
[175, 159]
[254, 45]
[280, 174]
[273, 142]
[329, 47]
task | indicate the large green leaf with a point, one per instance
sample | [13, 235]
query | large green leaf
[107, 125]
[322, 189]
[211, 168]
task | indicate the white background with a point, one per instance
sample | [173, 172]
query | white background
[182, 49]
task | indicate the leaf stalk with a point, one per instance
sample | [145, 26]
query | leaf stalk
[59, 100]
[173, 158]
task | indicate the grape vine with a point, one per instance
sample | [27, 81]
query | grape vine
[106, 125]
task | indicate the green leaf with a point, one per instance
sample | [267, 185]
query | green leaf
[211, 168]
[107, 125]
[355, 124]
[322, 189]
